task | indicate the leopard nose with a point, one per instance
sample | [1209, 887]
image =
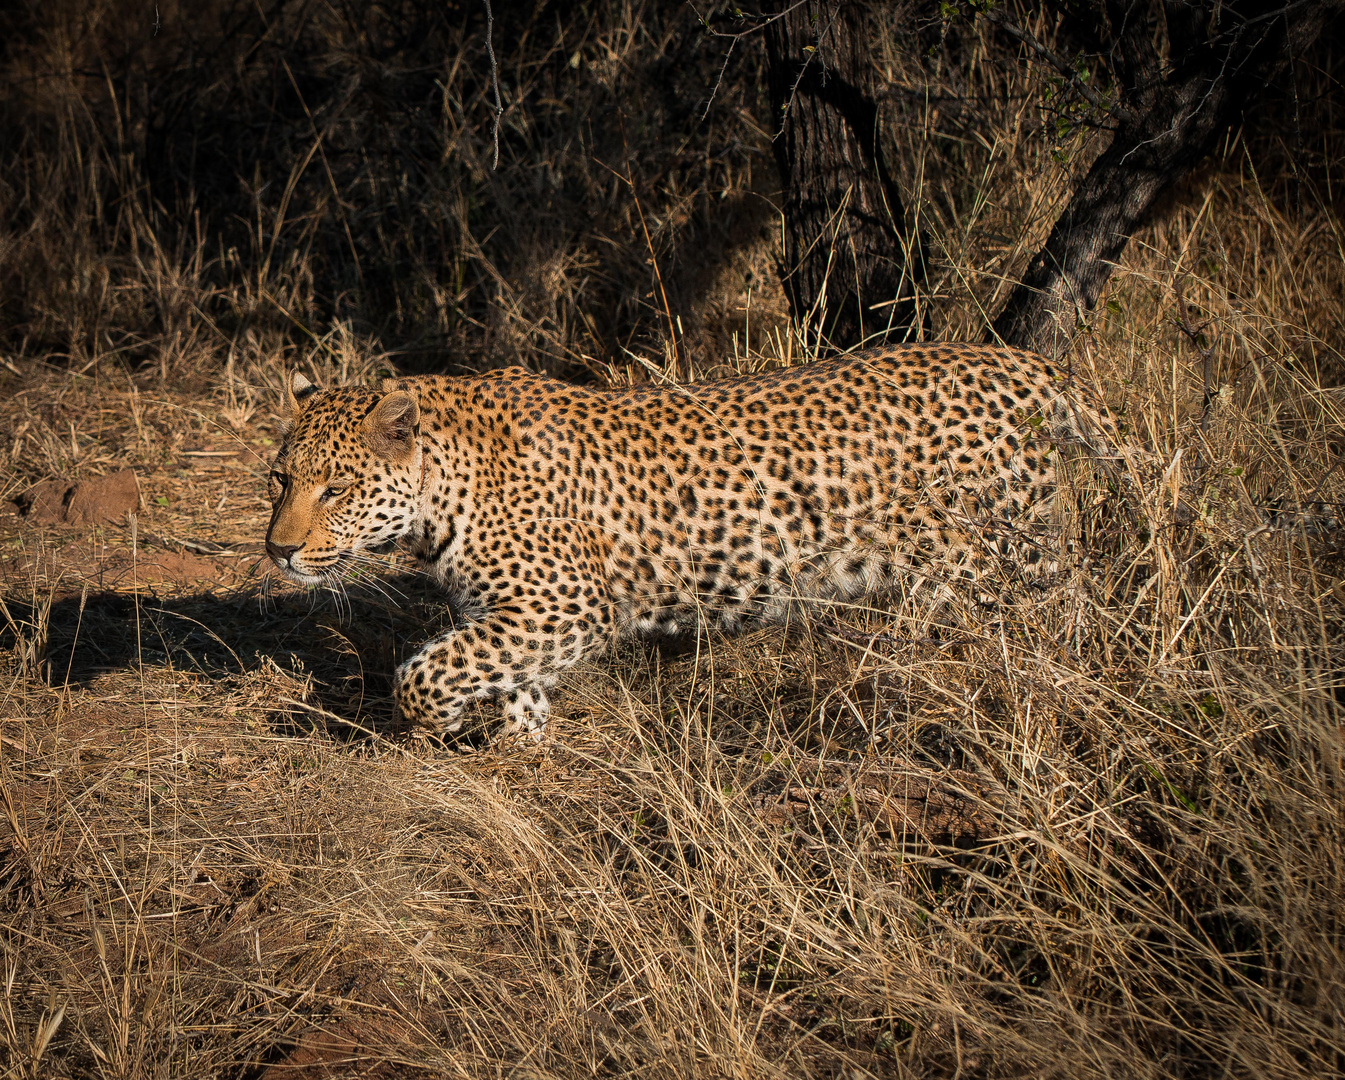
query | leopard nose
[281, 552]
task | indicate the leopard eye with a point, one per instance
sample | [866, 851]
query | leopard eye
[332, 491]
[280, 478]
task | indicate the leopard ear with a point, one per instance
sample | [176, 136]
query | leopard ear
[391, 427]
[297, 391]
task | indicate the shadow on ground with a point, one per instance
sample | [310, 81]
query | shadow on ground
[343, 649]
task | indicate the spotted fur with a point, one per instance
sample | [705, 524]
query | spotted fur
[559, 517]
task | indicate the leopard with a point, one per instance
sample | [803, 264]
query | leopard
[559, 518]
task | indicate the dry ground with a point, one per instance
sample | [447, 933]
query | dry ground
[198, 811]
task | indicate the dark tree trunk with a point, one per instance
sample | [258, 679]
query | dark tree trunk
[1171, 116]
[848, 271]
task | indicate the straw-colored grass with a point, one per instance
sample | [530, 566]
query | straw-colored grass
[1090, 829]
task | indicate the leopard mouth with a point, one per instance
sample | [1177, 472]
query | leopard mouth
[332, 569]
[323, 575]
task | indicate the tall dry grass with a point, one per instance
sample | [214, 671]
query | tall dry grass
[282, 168]
[1091, 829]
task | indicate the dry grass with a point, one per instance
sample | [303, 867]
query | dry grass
[1092, 830]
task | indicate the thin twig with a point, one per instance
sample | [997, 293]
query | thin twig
[1206, 352]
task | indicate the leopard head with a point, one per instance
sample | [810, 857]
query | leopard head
[346, 480]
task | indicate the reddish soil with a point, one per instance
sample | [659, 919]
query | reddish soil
[115, 565]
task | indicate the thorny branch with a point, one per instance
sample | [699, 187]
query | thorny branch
[765, 21]
[495, 82]
[734, 38]
[1067, 70]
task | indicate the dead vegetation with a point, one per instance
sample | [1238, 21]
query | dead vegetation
[1091, 829]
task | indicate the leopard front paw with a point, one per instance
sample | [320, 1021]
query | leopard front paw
[420, 701]
[525, 713]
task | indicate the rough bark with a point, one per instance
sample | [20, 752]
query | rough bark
[1173, 112]
[843, 217]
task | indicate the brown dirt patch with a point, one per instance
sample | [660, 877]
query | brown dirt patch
[89, 502]
[113, 564]
[350, 1048]
[44, 503]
